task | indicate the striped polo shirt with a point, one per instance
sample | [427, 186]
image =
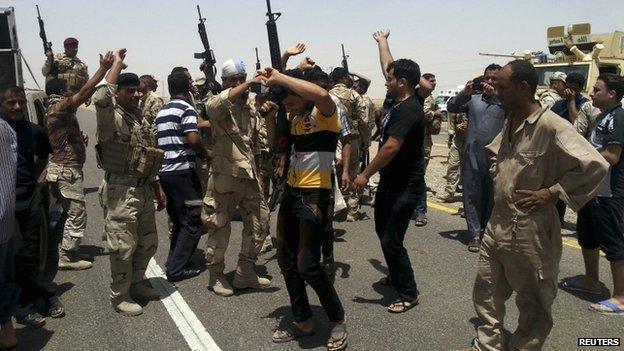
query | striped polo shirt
[314, 139]
[174, 120]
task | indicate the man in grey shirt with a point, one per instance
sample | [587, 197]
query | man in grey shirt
[8, 290]
[485, 121]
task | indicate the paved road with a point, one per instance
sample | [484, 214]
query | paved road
[444, 269]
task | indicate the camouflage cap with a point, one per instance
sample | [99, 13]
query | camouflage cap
[558, 76]
[70, 41]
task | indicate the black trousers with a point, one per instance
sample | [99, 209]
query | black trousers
[28, 212]
[393, 210]
[184, 206]
[301, 223]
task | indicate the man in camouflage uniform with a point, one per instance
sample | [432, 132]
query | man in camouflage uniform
[201, 98]
[234, 182]
[64, 173]
[356, 111]
[555, 92]
[457, 125]
[262, 155]
[151, 103]
[128, 154]
[68, 66]
[433, 115]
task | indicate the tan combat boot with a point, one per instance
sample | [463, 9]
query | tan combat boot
[126, 306]
[144, 290]
[218, 283]
[68, 261]
[246, 277]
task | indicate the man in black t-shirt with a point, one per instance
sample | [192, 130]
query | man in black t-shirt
[400, 162]
[31, 142]
[600, 224]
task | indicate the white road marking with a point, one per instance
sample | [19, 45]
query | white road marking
[185, 319]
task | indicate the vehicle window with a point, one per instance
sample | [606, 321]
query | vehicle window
[441, 100]
[609, 69]
[40, 112]
[545, 72]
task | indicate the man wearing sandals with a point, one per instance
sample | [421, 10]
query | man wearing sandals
[537, 158]
[600, 222]
[303, 214]
[401, 165]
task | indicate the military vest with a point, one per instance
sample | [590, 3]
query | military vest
[72, 70]
[134, 154]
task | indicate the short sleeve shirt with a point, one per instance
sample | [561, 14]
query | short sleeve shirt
[405, 121]
[610, 131]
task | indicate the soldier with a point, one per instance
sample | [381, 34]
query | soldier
[234, 182]
[150, 103]
[69, 67]
[263, 158]
[127, 152]
[537, 158]
[457, 125]
[555, 92]
[64, 173]
[356, 111]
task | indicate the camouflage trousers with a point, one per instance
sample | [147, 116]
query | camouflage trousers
[352, 198]
[453, 170]
[130, 229]
[225, 194]
[265, 171]
[203, 171]
[66, 185]
[428, 143]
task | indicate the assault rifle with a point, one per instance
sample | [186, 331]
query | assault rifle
[47, 46]
[345, 64]
[281, 144]
[209, 63]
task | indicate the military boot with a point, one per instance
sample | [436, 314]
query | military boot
[218, 283]
[246, 277]
[126, 306]
[144, 291]
[69, 261]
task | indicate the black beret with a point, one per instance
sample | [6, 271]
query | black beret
[128, 80]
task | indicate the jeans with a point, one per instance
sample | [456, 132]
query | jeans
[28, 212]
[478, 196]
[9, 291]
[421, 206]
[393, 209]
[184, 206]
[301, 225]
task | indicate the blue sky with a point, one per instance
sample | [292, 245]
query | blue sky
[444, 37]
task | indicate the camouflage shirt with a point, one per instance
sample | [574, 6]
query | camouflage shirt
[72, 69]
[64, 133]
[150, 105]
[235, 135]
[548, 98]
[354, 106]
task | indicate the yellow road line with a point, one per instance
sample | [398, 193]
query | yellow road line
[570, 242]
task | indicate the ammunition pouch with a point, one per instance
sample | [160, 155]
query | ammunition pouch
[120, 157]
[73, 80]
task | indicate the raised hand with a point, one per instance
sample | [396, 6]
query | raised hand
[296, 50]
[107, 60]
[381, 35]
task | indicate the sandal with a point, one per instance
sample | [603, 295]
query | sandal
[55, 307]
[29, 317]
[289, 333]
[573, 284]
[400, 306]
[338, 336]
[607, 307]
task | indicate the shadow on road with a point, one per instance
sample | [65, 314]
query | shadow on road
[93, 251]
[32, 339]
[463, 236]
[605, 293]
[63, 288]
[386, 291]
[90, 190]
[283, 319]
